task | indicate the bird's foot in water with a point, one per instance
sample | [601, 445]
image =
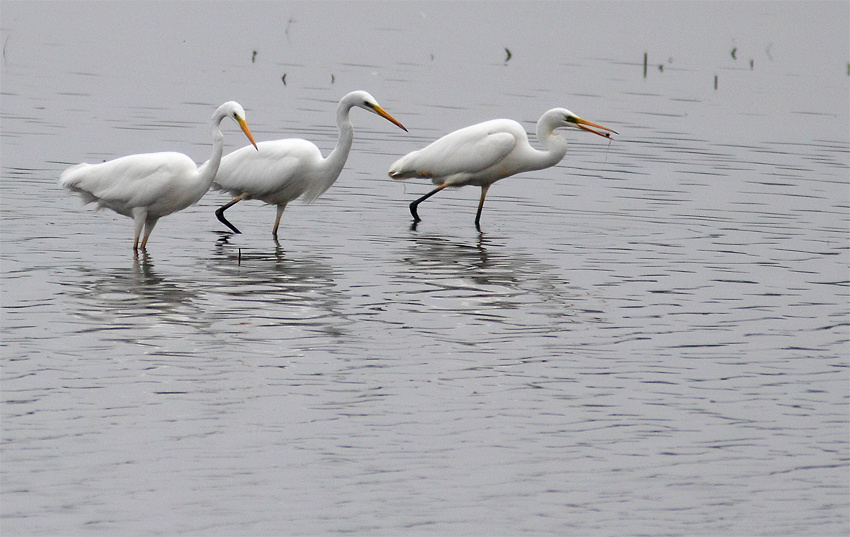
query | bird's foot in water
[414, 213]
[220, 215]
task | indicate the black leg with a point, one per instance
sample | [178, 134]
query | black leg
[480, 206]
[420, 200]
[219, 213]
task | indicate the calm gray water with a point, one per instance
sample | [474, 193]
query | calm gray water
[650, 338]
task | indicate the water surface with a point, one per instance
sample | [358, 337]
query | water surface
[649, 338]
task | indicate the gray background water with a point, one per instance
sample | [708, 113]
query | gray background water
[649, 338]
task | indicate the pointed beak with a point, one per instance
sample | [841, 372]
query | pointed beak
[592, 127]
[383, 113]
[247, 131]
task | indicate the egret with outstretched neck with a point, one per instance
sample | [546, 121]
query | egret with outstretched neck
[284, 170]
[484, 153]
[148, 186]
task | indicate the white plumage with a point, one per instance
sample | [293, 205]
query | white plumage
[284, 170]
[148, 186]
[482, 154]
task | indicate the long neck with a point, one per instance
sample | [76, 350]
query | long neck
[207, 170]
[336, 160]
[556, 145]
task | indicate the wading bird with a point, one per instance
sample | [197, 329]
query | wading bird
[149, 186]
[283, 170]
[482, 154]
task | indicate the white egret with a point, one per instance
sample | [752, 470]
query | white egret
[283, 170]
[149, 186]
[482, 154]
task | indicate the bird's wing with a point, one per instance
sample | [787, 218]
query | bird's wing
[134, 180]
[275, 169]
[461, 153]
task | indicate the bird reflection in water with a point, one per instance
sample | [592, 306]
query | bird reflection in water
[288, 289]
[143, 268]
[435, 258]
[224, 251]
[488, 277]
[131, 298]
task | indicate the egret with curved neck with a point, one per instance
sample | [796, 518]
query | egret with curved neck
[482, 154]
[148, 186]
[284, 170]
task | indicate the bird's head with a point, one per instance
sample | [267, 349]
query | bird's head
[565, 118]
[367, 102]
[234, 111]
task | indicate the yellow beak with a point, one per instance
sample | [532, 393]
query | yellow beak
[383, 113]
[590, 127]
[247, 131]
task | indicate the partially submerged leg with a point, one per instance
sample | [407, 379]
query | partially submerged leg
[484, 190]
[420, 200]
[140, 214]
[149, 224]
[280, 208]
[219, 213]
